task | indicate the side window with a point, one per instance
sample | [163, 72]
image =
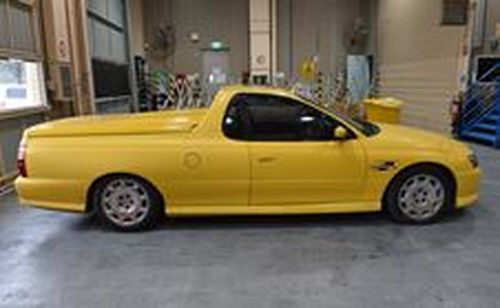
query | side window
[315, 125]
[272, 118]
[232, 124]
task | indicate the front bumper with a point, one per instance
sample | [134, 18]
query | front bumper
[468, 187]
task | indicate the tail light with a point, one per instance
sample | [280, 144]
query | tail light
[21, 159]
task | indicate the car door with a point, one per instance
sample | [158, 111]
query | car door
[215, 173]
[294, 157]
[215, 169]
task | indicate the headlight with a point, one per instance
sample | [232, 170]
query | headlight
[473, 160]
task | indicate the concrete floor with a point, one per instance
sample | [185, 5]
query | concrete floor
[62, 260]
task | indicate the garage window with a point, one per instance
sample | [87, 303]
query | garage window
[108, 38]
[21, 72]
[21, 85]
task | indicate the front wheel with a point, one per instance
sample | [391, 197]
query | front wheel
[420, 195]
[127, 203]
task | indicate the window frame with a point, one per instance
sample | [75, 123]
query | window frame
[10, 52]
[35, 56]
[446, 16]
[352, 135]
[35, 96]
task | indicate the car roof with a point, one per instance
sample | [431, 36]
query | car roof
[257, 89]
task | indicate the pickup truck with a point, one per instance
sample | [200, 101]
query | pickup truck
[254, 151]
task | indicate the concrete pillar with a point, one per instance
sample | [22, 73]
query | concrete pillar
[67, 56]
[82, 66]
[263, 38]
[137, 26]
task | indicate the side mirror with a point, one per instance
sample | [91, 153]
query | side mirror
[340, 133]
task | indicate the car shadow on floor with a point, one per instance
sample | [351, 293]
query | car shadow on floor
[90, 222]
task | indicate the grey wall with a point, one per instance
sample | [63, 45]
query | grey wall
[226, 20]
[307, 28]
[492, 18]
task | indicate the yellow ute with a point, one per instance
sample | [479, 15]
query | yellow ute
[254, 151]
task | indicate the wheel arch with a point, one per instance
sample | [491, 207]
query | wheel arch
[446, 170]
[89, 206]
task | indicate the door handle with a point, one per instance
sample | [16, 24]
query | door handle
[266, 159]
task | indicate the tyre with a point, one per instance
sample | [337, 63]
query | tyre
[420, 195]
[127, 203]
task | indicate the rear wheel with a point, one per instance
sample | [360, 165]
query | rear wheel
[420, 195]
[127, 203]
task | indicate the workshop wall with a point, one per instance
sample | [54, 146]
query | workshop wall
[225, 20]
[418, 60]
[323, 28]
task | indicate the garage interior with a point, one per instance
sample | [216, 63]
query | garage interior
[69, 58]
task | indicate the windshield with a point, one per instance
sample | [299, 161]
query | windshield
[367, 128]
